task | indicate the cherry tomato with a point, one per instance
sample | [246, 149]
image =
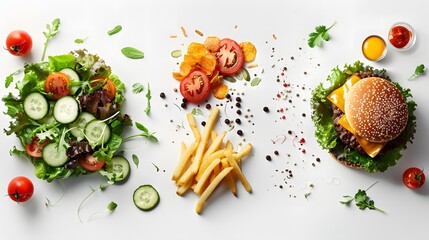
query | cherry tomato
[35, 148]
[20, 189]
[230, 57]
[195, 87]
[414, 177]
[19, 43]
[57, 83]
[109, 87]
[91, 163]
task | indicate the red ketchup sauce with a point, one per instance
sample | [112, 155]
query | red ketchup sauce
[399, 36]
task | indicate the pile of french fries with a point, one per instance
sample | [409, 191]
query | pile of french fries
[207, 161]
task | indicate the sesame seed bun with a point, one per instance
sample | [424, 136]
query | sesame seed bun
[376, 110]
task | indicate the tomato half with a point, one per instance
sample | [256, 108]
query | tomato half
[230, 57]
[35, 148]
[20, 189]
[413, 177]
[19, 43]
[108, 88]
[57, 83]
[195, 87]
[91, 163]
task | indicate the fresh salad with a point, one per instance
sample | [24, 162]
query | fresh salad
[67, 115]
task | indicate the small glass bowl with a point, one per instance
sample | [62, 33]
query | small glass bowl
[410, 29]
[374, 48]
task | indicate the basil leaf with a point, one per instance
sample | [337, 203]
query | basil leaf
[137, 88]
[229, 79]
[115, 30]
[255, 82]
[132, 53]
[136, 160]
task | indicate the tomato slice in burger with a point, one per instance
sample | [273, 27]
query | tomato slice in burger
[108, 88]
[57, 84]
[195, 87]
[91, 163]
[230, 57]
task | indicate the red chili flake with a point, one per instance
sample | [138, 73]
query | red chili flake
[278, 95]
[282, 73]
[302, 140]
[303, 151]
[281, 110]
[285, 85]
[283, 117]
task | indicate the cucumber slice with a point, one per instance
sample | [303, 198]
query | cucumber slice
[120, 167]
[36, 106]
[49, 118]
[97, 132]
[146, 197]
[66, 110]
[77, 128]
[54, 154]
[74, 78]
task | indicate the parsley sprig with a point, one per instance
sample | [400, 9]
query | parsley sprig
[420, 69]
[361, 199]
[321, 34]
[52, 32]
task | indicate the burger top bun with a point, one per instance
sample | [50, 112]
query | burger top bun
[376, 109]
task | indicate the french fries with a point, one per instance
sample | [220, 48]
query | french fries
[208, 160]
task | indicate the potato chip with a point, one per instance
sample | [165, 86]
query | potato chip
[177, 76]
[208, 63]
[249, 51]
[212, 44]
[197, 49]
[190, 59]
[185, 68]
[220, 90]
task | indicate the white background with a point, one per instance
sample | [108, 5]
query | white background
[269, 212]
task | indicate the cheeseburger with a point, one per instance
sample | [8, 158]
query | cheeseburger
[363, 118]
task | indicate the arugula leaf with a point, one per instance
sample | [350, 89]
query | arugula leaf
[137, 88]
[420, 69]
[321, 34]
[136, 160]
[9, 79]
[52, 32]
[132, 53]
[115, 30]
[148, 97]
[145, 133]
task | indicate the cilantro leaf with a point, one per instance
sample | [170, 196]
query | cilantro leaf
[362, 200]
[321, 34]
[52, 32]
[420, 69]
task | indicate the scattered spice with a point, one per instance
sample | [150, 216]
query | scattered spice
[183, 31]
[199, 32]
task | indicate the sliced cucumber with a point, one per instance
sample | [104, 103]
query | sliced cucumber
[120, 167]
[74, 78]
[36, 106]
[66, 110]
[49, 118]
[77, 128]
[146, 197]
[54, 154]
[97, 132]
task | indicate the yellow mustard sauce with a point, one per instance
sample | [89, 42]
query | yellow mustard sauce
[374, 48]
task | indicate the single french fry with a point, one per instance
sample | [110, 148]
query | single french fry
[209, 190]
[184, 160]
[229, 145]
[194, 127]
[216, 171]
[213, 135]
[205, 176]
[204, 139]
[207, 160]
[238, 171]
[229, 178]
[243, 152]
[216, 143]
[184, 188]
[186, 177]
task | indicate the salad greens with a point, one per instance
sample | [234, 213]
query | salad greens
[92, 98]
[52, 32]
[328, 138]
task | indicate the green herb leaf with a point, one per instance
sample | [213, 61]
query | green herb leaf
[307, 194]
[156, 167]
[141, 127]
[136, 160]
[176, 53]
[9, 79]
[362, 200]
[148, 97]
[112, 206]
[80, 40]
[255, 82]
[138, 88]
[321, 34]
[420, 69]
[115, 30]
[230, 79]
[132, 53]
[197, 111]
[52, 32]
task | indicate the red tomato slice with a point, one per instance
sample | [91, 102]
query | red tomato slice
[35, 149]
[413, 177]
[91, 163]
[109, 87]
[57, 83]
[230, 57]
[195, 87]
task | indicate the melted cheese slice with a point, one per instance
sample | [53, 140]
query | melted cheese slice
[371, 148]
[338, 96]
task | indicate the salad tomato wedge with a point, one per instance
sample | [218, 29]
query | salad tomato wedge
[413, 177]
[19, 43]
[35, 148]
[230, 57]
[57, 84]
[195, 87]
[91, 163]
[108, 86]
[20, 189]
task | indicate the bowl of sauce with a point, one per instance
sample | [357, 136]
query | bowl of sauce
[402, 36]
[374, 48]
